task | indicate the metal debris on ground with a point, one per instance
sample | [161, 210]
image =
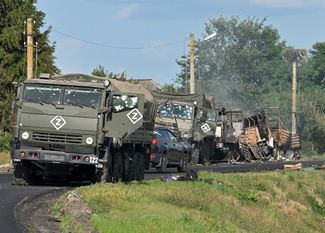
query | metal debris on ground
[293, 167]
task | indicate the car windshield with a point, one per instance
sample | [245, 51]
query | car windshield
[89, 97]
[42, 94]
[175, 110]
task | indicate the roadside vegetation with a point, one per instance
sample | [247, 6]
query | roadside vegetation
[242, 202]
[5, 139]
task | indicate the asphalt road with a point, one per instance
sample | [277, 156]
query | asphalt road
[254, 167]
[22, 204]
[11, 196]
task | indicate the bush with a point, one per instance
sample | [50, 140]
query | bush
[5, 139]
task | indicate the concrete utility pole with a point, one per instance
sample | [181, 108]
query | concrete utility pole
[30, 48]
[192, 71]
[293, 56]
[294, 99]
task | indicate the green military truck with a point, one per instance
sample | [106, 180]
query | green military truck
[192, 118]
[81, 127]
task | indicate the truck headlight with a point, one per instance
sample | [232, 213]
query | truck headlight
[89, 140]
[25, 135]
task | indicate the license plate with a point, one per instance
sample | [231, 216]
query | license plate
[54, 157]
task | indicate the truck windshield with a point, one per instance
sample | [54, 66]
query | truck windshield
[42, 94]
[89, 97]
[210, 114]
[175, 110]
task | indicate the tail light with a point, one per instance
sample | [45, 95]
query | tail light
[154, 141]
[152, 156]
[22, 154]
[86, 158]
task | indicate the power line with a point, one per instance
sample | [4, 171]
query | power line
[115, 46]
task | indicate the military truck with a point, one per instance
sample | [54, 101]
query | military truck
[191, 117]
[229, 126]
[81, 127]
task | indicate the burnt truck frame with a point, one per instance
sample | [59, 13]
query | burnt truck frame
[80, 127]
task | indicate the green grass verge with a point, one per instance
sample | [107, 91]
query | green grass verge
[4, 157]
[241, 202]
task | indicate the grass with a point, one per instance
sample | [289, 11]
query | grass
[241, 202]
[4, 157]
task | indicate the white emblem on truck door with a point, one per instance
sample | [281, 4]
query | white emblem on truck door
[134, 116]
[58, 122]
[205, 128]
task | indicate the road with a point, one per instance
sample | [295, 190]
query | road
[11, 196]
[16, 202]
[19, 212]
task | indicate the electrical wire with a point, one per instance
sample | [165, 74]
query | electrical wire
[115, 46]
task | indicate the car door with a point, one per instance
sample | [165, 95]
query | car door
[175, 147]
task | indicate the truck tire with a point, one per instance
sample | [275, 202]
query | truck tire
[139, 175]
[117, 167]
[21, 174]
[129, 167]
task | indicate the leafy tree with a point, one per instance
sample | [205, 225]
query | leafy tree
[13, 14]
[243, 66]
[313, 97]
[100, 71]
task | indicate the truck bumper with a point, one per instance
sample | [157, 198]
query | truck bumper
[58, 157]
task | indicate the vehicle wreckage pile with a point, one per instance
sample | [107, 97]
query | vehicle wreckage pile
[83, 127]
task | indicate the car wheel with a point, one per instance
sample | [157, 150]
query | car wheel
[163, 163]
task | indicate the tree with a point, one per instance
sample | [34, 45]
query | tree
[100, 71]
[312, 73]
[243, 65]
[13, 14]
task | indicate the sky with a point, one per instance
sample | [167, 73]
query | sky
[145, 37]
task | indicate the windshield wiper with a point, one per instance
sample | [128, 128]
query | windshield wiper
[76, 104]
[47, 102]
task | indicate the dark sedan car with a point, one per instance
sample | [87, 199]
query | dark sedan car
[167, 150]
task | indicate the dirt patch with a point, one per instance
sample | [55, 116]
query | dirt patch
[78, 212]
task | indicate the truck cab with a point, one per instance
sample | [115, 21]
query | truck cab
[67, 126]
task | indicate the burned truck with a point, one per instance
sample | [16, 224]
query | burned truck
[191, 117]
[256, 142]
[229, 126]
[81, 127]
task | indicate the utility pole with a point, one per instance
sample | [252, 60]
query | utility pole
[192, 72]
[293, 56]
[294, 99]
[30, 48]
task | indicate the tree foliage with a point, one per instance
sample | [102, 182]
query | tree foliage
[100, 71]
[13, 14]
[244, 66]
[243, 63]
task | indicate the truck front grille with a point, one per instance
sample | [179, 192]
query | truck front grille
[57, 138]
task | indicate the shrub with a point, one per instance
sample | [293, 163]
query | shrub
[5, 139]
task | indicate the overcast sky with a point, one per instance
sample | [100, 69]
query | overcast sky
[144, 37]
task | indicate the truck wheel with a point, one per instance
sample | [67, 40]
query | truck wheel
[21, 174]
[139, 175]
[129, 167]
[101, 175]
[117, 167]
